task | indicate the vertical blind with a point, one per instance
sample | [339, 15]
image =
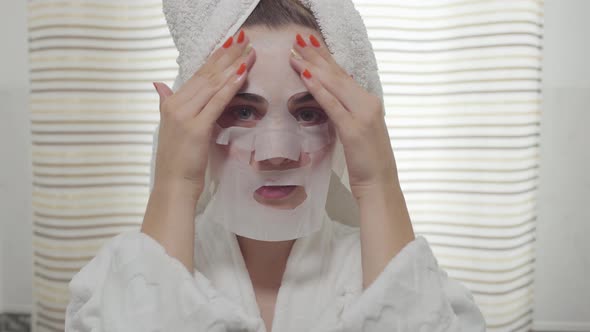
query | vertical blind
[462, 93]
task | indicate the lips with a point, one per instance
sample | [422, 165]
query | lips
[275, 192]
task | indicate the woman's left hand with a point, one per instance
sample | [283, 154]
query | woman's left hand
[358, 118]
[356, 114]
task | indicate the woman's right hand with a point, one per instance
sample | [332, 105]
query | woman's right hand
[187, 117]
[187, 120]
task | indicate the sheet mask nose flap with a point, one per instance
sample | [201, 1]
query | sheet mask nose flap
[277, 144]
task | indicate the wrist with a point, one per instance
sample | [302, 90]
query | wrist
[170, 218]
[178, 189]
[387, 186]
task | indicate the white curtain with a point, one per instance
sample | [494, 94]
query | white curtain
[462, 84]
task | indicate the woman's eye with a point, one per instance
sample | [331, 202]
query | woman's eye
[310, 116]
[244, 114]
[239, 116]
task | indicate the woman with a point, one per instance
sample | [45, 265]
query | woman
[264, 118]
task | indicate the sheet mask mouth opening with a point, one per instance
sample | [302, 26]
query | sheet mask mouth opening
[281, 197]
[275, 192]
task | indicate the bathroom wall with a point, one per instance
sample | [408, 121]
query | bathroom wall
[15, 174]
[562, 280]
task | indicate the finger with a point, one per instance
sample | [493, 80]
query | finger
[306, 50]
[213, 102]
[315, 51]
[333, 76]
[322, 49]
[224, 56]
[163, 92]
[238, 39]
[221, 58]
[237, 47]
[329, 103]
[199, 101]
[344, 87]
[217, 104]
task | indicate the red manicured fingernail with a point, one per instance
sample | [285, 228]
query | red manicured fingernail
[314, 41]
[241, 37]
[307, 74]
[301, 41]
[228, 43]
[242, 69]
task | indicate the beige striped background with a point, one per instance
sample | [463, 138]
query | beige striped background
[462, 84]
[93, 112]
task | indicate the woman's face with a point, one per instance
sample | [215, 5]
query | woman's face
[274, 86]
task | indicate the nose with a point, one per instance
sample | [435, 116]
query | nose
[279, 163]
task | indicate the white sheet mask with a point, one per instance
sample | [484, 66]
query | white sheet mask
[277, 134]
[234, 206]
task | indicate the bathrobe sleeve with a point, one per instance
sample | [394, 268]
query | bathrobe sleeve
[412, 294]
[133, 285]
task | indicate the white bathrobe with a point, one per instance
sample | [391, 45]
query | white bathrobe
[133, 285]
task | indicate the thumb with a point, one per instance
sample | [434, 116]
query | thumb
[163, 91]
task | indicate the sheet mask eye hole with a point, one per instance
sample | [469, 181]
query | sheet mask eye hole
[239, 116]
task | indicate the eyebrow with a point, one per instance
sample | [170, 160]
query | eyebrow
[261, 100]
[251, 97]
[303, 99]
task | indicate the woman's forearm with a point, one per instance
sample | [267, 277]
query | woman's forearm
[385, 227]
[169, 219]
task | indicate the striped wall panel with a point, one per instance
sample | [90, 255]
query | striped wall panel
[462, 84]
[462, 93]
[93, 111]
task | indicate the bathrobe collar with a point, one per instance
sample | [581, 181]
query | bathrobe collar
[218, 257]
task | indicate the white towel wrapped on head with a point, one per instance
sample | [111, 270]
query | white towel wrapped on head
[198, 27]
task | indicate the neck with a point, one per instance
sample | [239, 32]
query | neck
[265, 261]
